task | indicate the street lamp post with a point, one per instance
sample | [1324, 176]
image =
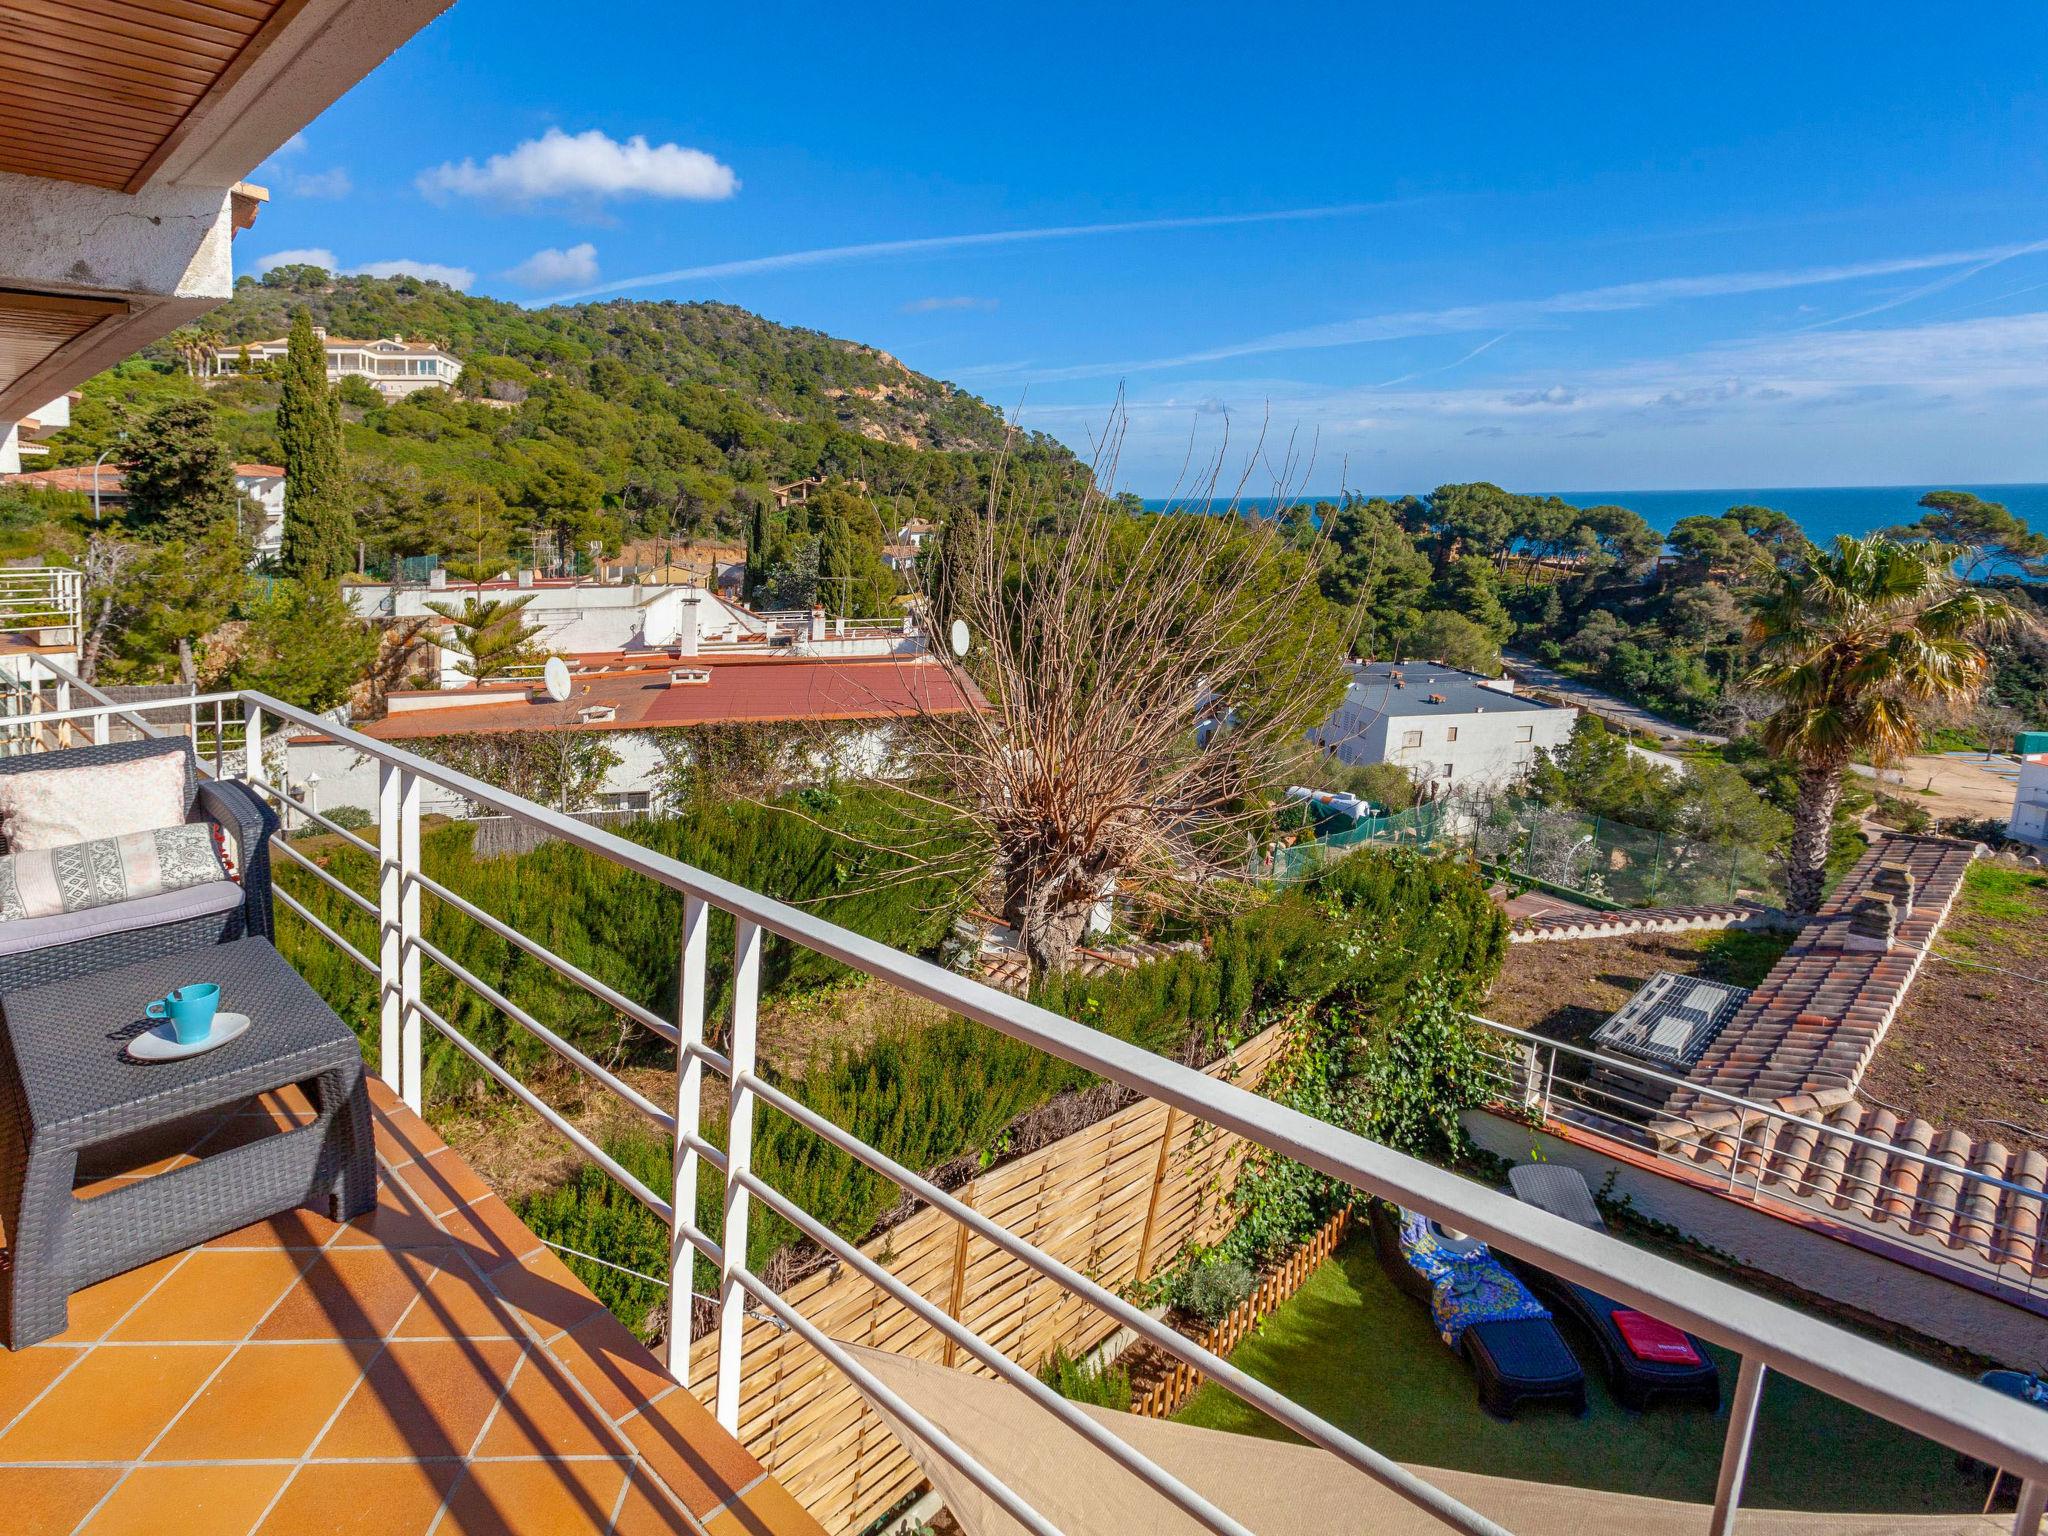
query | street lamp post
[96, 463]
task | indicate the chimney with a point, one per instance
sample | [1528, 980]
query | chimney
[817, 623]
[526, 578]
[689, 623]
[1894, 878]
[1873, 925]
[437, 578]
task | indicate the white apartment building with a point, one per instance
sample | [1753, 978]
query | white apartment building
[1448, 728]
[395, 366]
[2029, 823]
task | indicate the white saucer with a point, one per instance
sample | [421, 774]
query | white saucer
[160, 1044]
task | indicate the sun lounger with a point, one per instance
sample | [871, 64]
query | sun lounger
[1646, 1361]
[1516, 1354]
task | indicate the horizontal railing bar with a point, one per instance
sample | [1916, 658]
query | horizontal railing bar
[1860, 1371]
[554, 1042]
[1426, 1496]
[348, 892]
[126, 711]
[306, 810]
[94, 711]
[328, 933]
[549, 1113]
[889, 1402]
[1749, 1108]
[1113, 1446]
[717, 1061]
[603, 993]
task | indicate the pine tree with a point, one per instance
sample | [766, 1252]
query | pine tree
[179, 479]
[320, 530]
[492, 637]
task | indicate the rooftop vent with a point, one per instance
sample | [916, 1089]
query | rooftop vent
[688, 677]
[597, 714]
[1436, 698]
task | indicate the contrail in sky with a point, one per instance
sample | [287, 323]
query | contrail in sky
[832, 254]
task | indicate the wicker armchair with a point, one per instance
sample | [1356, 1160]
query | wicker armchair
[156, 927]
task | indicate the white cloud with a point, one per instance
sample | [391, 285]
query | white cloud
[545, 268]
[305, 256]
[459, 278]
[293, 145]
[590, 166]
[322, 184]
[933, 305]
[1557, 394]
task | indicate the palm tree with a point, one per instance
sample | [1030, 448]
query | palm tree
[1856, 644]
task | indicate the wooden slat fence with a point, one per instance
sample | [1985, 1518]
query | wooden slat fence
[1174, 1389]
[1113, 1201]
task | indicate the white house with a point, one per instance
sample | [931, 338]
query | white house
[1448, 728]
[264, 485]
[18, 441]
[395, 366]
[2029, 822]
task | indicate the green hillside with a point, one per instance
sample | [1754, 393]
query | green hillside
[598, 421]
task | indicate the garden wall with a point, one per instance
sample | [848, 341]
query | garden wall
[1115, 1201]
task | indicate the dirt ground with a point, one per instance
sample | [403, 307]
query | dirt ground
[1567, 990]
[1959, 787]
[1969, 1049]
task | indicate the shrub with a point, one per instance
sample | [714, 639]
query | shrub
[1212, 1285]
[1079, 1382]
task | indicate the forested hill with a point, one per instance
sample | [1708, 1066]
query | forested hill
[600, 421]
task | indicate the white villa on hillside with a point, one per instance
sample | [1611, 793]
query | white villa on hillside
[1446, 727]
[395, 366]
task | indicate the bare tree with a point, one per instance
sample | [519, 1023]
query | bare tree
[109, 564]
[1148, 679]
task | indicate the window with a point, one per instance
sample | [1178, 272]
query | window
[1411, 739]
[1444, 772]
[1451, 734]
[1525, 733]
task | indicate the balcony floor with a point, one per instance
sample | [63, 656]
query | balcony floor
[428, 1368]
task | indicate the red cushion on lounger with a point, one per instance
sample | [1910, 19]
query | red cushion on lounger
[1650, 1339]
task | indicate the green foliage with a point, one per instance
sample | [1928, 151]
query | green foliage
[562, 768]
[1454, 640]
[1739, 957]
[1078, 1382]
[181, 483]
[491, 637]
[1210, 1285]
[304, 645]
[1416, 1076]
[319, 534]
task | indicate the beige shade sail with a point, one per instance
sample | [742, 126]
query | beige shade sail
[1270, 1486]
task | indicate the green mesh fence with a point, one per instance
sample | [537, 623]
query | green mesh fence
[1631, 866]
[1422, 827]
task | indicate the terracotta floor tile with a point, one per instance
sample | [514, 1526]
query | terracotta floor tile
[301, 1227]
[112, 1404]
[397, 1222]
[442, 1183]
[553, 1496]
[357, 1293]
[50, 1501]
[25, 1372]
[98, 1307]
[133, 1153]
[187, 1501]
[542, 1289]
[493, 1236]
[457, 1304]
[613, 1366]
[290, 1099]
[767, 1510]
[215, 1296]
[422, 1397]
[246, 1131]
[647, 1512]
[684, 1447]
[352, 1500]
[298, 1387]
[126, 1171]
[544, 1415]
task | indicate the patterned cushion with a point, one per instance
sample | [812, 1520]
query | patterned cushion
[49, 808]
[107, 870]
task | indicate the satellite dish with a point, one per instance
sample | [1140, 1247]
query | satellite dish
[959, 637]
[555, 678]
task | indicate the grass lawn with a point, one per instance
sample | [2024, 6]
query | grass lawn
[1352, 1349]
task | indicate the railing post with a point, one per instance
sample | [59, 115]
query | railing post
[2033, 1503]
[1749, 1390]
[682, 1258]
[739, 1152]
[390, 944]
[409, 936]
[252, 748]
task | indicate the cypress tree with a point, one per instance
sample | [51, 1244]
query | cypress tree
[319, 530]
[757, 547]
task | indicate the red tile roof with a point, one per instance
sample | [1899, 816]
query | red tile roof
[72, 477]
[759, 689]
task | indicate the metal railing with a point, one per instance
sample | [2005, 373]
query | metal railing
[41, 597]
[1757, 1151]
[1767, 1335]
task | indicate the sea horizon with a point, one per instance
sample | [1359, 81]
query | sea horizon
[1823, 511]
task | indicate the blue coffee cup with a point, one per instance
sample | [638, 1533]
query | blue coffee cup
[190, 1010]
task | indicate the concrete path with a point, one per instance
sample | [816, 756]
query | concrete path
[1533, 674]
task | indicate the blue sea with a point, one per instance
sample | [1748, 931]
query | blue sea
[1823, 511]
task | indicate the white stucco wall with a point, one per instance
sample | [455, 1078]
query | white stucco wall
[1488, 747]
[2030, 801]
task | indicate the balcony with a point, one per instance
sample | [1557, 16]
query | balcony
[467, 1382]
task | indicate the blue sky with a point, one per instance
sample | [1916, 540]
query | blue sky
[1562, 247]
